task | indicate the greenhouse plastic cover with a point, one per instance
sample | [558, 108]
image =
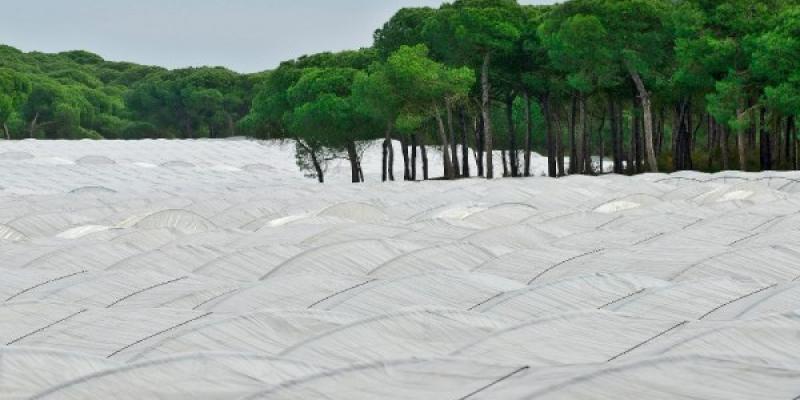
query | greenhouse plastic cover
[214, 269]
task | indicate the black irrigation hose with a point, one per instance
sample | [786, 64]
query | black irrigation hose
[486, 301]
[340, 292]
[680, 324]
[621, 299]
[156, 334]
[727, 303]
[44, 283]
[140, 291]
[495, 382]
[588, 253]
[29, 334]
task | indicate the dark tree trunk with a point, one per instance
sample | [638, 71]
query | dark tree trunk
[765, 145]
[6, 131]
[682, 142]
[616, 149]
[424, 154]
[406, 166]
[384, 161]
[660, 130]
[414, 157]
[486, 113]
[188, 126]
[352, 156]
[559, 144]
[453, 142]
[644, 99]
[573, 147]
[636, 156]
[464, 143]
[528, 135]
[723, 139]
[479, 146]
[584, 150]
[740, 144]
[317, 166]
[446, 161]
[552, 166]
[512, 138]
[790, 142]
[713, 137]
[391, 160]
[600, 147]
[387, 172]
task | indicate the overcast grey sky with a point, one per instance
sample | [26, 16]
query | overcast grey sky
[244, 35]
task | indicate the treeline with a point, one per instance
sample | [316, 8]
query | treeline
[650, 85]
[77, 94]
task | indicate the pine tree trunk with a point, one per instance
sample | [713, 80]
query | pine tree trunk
[391, 160]
[486, 112]
[789, 143]
[446, 161]
[464, 143]
[636, 156]
[390, 150]
[317, 166]
[713, 134]
[559, 145]
[723, 139]
[6, 131]
[741, 146]
[528, 135]
[352, 155]
[414, 157]
[615, 149]
[644, 97]
[404, 152]
[512, 138]
[479, 146]
[552, 166]
[573, 147]
[424, 154]
[584, 151]
[384, 160]
[453, 142]
[765, 145]
[790, 140]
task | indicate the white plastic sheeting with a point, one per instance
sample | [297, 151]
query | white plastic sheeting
[213, 269]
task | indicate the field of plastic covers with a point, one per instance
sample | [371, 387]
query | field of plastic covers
[213, 269]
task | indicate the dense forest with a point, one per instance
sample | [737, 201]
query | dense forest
[652, 85]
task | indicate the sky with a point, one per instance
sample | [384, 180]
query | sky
[243, 35]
